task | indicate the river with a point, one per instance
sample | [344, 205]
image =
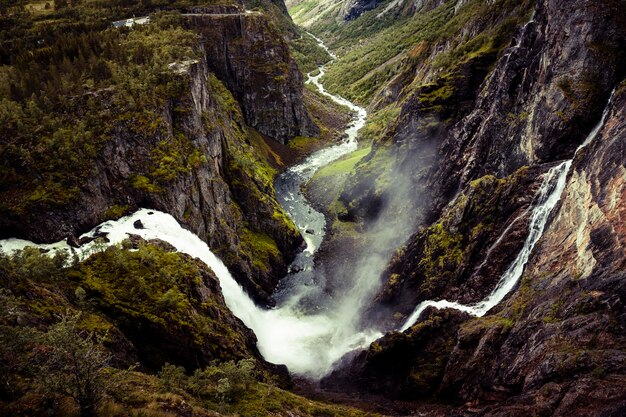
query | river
[309, 343]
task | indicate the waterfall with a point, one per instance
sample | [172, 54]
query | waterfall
[309, 344]
[548, 196]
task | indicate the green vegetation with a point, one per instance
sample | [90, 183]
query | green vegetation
[307, 53]
[442, 254]
[72, 363]
[479, 325]
[343, 165]
[331, 118]
[69, 332]
[446, 251]
[68, 80]
[251, 178]
[379, 122]
[368, 65]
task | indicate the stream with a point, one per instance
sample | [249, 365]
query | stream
[300, 283]
[309, 343]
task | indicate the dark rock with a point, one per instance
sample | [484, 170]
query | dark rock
[73, 241]
[355, 8]
[310, 231]
[253, 60]
[135, 240]
[402, 365]
[85, 239]
[138, 224]
[162, 245]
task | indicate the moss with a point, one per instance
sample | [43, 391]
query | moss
[143, 183]
[442, 253]
[116, 211]
[479, 324]
[261, 249]
[524, 294]
[301, 143]
[379, 122]
[158, 288]
[343, 165]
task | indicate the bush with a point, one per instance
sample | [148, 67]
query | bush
[71, 361]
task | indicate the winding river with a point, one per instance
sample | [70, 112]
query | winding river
[308, 343]
[301, 281]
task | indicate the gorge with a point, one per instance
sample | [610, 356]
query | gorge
[337, 208]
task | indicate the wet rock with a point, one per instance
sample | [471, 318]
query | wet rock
[167, 247]
[138, 224]
[85, 240]
[135, 240]
[73, 241]
[402, 365]
[310, 231]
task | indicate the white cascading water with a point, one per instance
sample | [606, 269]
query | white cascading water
[309, 344]
[549, 195]
[304, 343]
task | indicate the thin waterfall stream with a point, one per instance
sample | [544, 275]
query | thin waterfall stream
[549, 195]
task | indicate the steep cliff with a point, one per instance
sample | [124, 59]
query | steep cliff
[501, 104]
[254, 62]
[563, 350]
[496, 127]
[556, 346]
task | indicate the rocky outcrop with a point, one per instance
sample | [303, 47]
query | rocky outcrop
[566, 349]
[402, 365]
[253, 61]
[498, 109]
[543, 96]
[461, 256]
[556, 346]
[355, 8]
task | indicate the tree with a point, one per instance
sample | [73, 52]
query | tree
[71, 362]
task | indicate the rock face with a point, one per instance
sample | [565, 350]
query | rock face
[210, 193]
[544, 95]
[556, 345]
[355, 8]
[462, 255]
[565, 349]
[527, 110]
[253, 61]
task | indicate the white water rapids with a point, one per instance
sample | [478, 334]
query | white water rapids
[309, 344]
[548, 196]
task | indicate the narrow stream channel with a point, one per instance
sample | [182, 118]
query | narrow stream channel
[300, 283]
